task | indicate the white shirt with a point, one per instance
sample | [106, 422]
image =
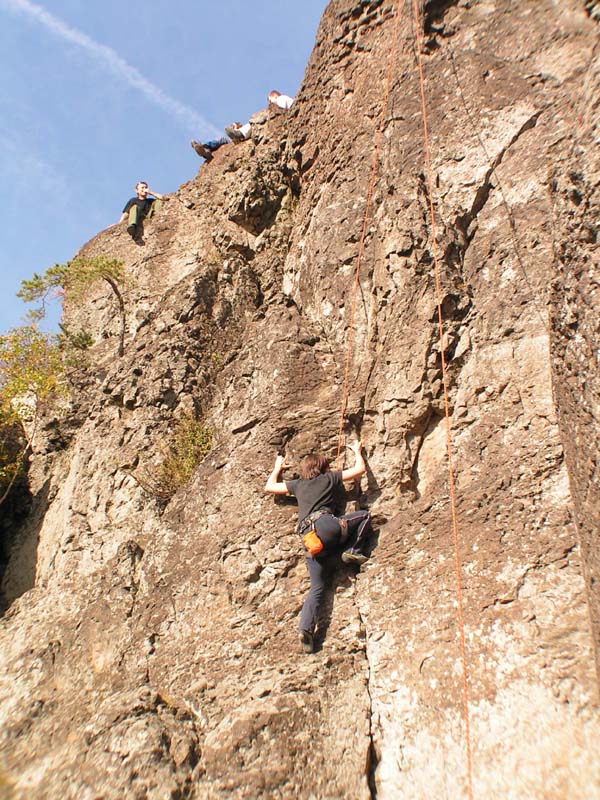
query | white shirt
[283, 101]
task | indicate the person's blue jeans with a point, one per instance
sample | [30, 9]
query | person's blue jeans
[214, 144]
[329, 531]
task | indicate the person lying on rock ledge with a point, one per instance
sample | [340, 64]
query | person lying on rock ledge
[278, 100]
[236, 132]
[140, 207]
[322, 533]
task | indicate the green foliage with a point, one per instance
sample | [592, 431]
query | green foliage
[12, 451]
[73, 278]
[31, 371]
[78, 340]
[83, 272]
[189, 445]
[41, 287]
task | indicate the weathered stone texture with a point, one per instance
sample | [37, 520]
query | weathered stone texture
[575, 323]
[151, 651]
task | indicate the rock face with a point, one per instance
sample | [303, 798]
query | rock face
[575, 311]
[150, 650]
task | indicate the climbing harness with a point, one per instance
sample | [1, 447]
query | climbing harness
[309, 535]
[312, 518]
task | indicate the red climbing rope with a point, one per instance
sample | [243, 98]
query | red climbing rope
[438, 289]
[344, 402]
[361, 244]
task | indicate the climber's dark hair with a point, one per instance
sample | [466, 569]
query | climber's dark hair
[313, 465]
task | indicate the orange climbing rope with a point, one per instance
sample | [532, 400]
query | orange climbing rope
[344, 402]
[438, 289]
[361, 244]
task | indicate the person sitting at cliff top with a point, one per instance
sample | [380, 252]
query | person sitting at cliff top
[314, 491]
[237, 131]
[140, 207]
[279, 100]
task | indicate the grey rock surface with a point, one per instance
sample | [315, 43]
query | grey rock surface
[150, 650]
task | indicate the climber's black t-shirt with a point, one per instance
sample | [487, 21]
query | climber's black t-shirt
[143, 205]
[316, 493]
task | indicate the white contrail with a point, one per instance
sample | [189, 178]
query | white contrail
[111, 59]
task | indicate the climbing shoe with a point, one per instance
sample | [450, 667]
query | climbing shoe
[354, 557]
[202, 151]
[307, 641]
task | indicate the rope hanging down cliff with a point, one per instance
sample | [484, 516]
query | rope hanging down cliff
[350, 342]
[457, 563]
[363, 234]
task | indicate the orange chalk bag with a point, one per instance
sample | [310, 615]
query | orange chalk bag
[311, 542]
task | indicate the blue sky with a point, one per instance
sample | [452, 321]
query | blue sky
[94, 96]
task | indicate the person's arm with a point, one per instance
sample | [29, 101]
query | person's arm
[273, 484]
[157, 195]
[125, 212]
[359, 467]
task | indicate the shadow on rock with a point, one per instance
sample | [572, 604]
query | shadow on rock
[20, 544]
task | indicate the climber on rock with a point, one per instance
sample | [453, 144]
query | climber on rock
[278, 100]
[140, 207]
[322, 532]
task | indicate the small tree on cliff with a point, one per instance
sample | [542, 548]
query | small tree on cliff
[32, 370]
[74, 278]
[190, 443]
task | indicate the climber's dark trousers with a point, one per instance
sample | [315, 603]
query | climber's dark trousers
[359, 528]
[310, 610]
[329, 531]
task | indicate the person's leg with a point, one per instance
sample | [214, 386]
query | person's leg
[202, 150]
[132, 221]
[154, 209]
[312, 603]
[214, 144]
[359, 528]
[329, 531]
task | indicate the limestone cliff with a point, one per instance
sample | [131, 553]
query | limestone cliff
[150, 651]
